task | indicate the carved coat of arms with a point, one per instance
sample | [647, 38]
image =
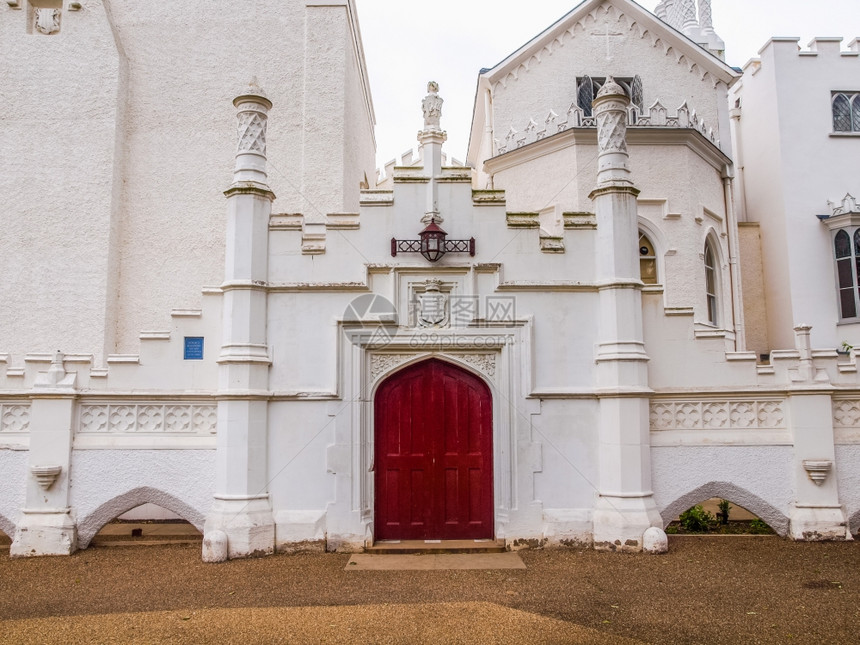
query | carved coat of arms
[47, 21]
[433, 306]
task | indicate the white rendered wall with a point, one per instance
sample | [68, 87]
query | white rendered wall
[848, 468]
[107, 483]
[759, 478]
[792, 165]
[123, 141]
[63, 156]
[13, 465]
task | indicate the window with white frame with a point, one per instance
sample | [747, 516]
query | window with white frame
[846, 111]
[711, 283]
[847, 250]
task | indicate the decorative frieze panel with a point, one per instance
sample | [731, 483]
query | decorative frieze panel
[148, 418]
[485, 363]
[657, 116]
[382, 363]
[718, 415]
[846, 413]
[15, 417]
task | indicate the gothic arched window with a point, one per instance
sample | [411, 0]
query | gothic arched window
[847, 267]
[711, 283]
[647, 260]
[846, 112]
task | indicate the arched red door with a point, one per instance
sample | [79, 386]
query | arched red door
[433, 455]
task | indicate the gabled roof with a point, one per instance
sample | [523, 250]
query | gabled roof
[640, 16]
[648, 25]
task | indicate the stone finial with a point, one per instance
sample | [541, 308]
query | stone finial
[611, 88]
[432, 107]
[610, 111]
[688, 15]
[847, 205]
[706, 17]
[252, 113]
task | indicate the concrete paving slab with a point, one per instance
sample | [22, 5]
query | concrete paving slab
[436, 561]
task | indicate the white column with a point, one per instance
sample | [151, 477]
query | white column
[816, 513]
[625, 507]
[47, 526]
[242, 509]
[431, 138]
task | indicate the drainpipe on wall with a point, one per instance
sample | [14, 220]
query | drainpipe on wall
[489, 146]
[734, 270]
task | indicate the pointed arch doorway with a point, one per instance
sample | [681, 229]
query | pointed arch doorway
[433, 424]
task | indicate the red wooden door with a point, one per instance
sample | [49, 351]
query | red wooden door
[434, 457]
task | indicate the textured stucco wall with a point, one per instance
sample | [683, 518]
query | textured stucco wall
[13, 465]
[62, 130]
[753, 280]
[121, 135]
[107, 483]
[759, 478]
[786, 117]
[848, 476]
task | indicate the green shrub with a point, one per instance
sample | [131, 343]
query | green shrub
[759, 527]
[697, 520]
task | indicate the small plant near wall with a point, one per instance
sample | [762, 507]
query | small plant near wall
[844, 348]
[759, 527]
[724, 506]
[697, 520]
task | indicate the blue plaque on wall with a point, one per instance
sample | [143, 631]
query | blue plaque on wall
[193, 348]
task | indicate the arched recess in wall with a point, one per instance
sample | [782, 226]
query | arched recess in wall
[654, 236]
[776, 519]
[92, 524]
[854, 523]
[7, 526]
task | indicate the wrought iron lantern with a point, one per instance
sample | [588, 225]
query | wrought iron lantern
[432, 243]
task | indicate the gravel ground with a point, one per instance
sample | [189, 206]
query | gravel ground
[706, 590]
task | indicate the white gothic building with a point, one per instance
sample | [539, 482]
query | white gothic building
[595, 323]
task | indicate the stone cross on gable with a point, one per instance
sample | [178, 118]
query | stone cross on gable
[607, 34]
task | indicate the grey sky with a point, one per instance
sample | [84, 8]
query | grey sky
[408, 43]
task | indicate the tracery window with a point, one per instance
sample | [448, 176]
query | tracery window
[846, 111]
[711, 283]
[647, 260]
[587, 88]
[847, 269]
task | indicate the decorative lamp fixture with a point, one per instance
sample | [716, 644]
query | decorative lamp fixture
[432, 243]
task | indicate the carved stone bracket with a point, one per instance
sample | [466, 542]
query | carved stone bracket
[817, 469]
[46, 475]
